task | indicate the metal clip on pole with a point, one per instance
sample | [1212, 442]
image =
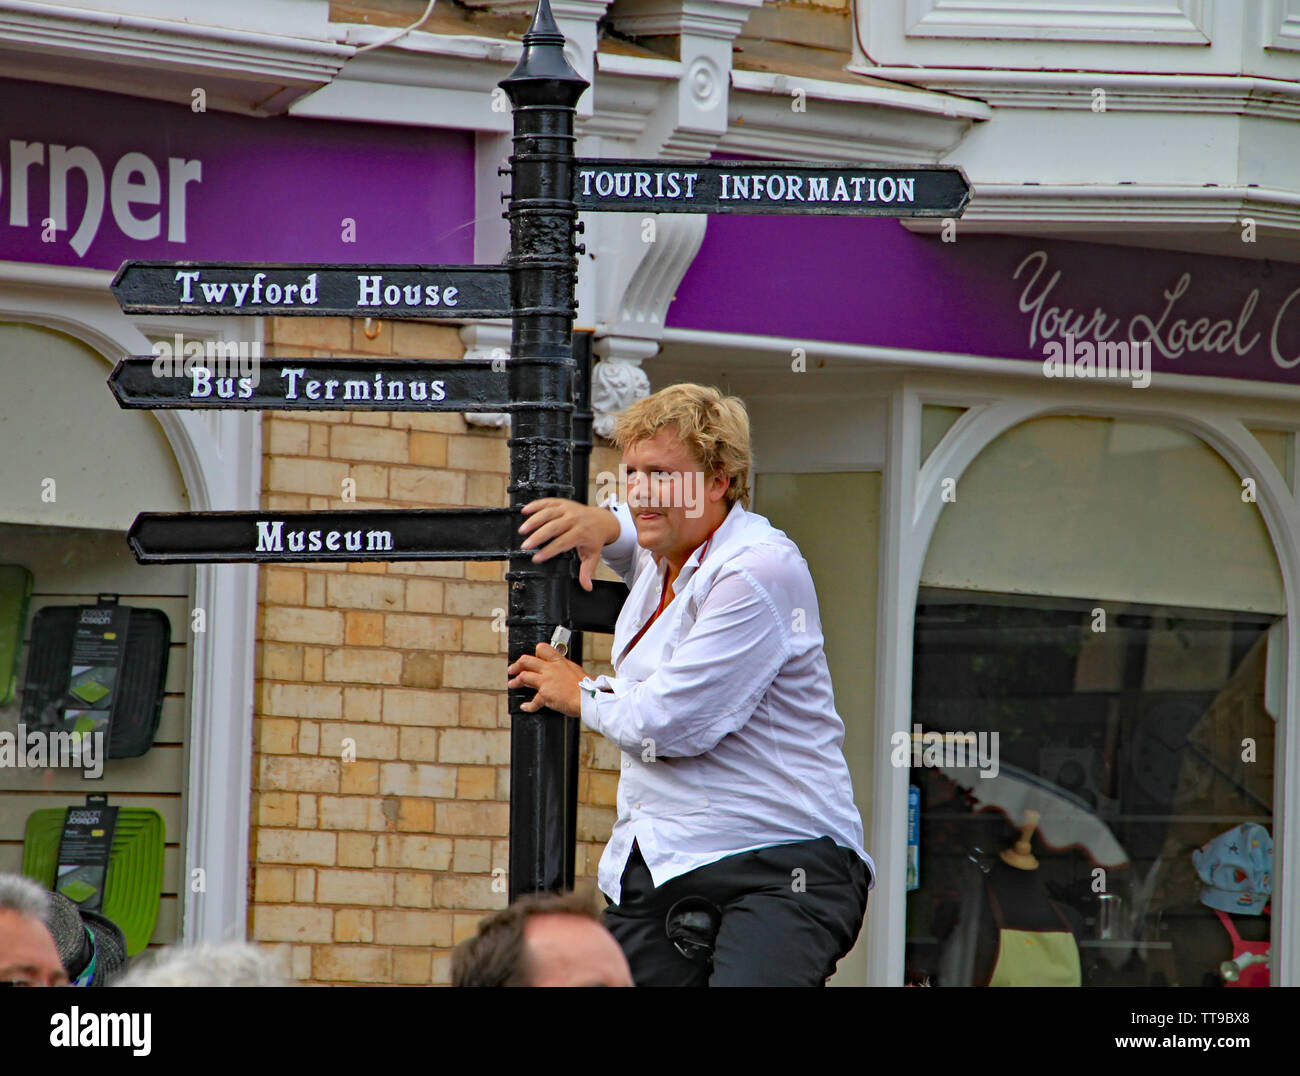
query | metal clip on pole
[560, 639]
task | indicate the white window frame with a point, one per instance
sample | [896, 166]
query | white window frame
[910, 509]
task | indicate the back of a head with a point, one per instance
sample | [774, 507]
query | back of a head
[209, 964]
[498, 955]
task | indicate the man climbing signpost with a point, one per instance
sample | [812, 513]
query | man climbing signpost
[536, 288]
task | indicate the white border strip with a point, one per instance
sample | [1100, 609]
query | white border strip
[952, 362]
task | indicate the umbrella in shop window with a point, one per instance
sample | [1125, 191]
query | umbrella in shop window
[1065, 820]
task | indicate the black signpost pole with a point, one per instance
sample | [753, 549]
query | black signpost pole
[582, 444]
[543, 89]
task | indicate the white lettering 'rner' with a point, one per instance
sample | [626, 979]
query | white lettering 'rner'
[133, 188]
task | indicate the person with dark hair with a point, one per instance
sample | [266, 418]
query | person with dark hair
[542, 940]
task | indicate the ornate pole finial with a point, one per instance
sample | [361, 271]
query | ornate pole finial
[543, 28]
[543, 64]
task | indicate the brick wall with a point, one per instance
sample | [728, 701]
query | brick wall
[372, 869]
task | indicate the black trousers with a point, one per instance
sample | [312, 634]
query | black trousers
[789, 913]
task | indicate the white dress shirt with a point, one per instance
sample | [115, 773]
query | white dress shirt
[723, 710]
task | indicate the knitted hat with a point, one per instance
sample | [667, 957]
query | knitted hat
[1237, 868]
[91, 946]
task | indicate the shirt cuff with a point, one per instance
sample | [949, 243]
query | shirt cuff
[591, 693]
[620, 554]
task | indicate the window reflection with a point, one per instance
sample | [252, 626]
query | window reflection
[1136, 735]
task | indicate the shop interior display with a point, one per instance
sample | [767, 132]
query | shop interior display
[1129, 744]
[1226, 929]
[132, 882]
[1008, 931]
[100, 668]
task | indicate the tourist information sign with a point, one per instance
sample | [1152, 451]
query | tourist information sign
[536, 288]
[652, 186]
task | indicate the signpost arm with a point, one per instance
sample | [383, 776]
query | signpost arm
[543, 90]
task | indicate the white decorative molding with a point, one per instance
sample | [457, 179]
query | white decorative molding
[1282, 25]
[1150, 159]
[288, 18]
[865, 93]
[705, 30]
[721, 19]
[629, 89]
[220, 459]
[767, 360]
[1241, 95]
[1207, 219]
[424, 80]
[577, 20]
[617, 380]
[1150, 21]
[498, 419]
[1170, 36]
[864, 120]
[659, 268]
[241, 68]
[650, 109]
[843, 120]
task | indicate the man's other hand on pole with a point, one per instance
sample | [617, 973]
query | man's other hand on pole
[554, 677]
[555, 525]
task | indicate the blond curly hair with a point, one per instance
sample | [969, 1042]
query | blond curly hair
[713, 427]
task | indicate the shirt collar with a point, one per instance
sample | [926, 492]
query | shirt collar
[731, 523]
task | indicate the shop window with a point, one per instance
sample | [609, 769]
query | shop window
[78, 468]
[1139, 734]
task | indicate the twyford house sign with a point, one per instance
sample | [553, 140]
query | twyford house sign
[384, 291]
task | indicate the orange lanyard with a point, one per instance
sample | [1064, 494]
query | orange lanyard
[663, 594]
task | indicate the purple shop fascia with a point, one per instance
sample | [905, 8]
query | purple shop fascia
[1013, 298]
[92, 179]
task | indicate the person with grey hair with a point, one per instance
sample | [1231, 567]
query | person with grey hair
[209, 964]
[28, 955]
